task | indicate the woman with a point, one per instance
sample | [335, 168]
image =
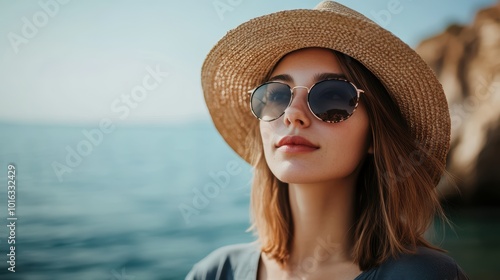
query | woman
[348, 130]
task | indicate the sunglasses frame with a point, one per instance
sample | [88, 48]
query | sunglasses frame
[358, 94]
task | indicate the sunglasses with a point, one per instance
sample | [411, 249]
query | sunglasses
[330, 100]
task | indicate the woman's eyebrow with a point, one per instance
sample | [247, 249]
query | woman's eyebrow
[281, 77]
[317, 77]
[325, 76]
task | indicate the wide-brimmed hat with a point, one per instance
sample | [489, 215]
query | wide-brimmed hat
[245, 55]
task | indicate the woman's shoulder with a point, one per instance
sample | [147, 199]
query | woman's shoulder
[238, 261]
[426, 263]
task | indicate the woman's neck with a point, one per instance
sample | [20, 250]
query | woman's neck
[322, 216]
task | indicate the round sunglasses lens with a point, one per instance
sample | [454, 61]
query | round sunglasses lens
[333, 100]
[270, 100]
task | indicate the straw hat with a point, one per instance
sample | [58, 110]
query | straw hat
[245, 55]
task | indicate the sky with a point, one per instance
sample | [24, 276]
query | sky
[79, 62]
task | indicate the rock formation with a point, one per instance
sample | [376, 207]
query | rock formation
[466, 60]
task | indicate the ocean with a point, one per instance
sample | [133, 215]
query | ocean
[147, 202]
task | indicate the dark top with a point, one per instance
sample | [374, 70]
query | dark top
[241, 261]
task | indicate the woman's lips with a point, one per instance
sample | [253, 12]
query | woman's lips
[295, 144]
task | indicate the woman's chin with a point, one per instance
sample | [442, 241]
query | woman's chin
[296, 178]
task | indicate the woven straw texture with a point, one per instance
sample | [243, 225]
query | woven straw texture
[245, 55]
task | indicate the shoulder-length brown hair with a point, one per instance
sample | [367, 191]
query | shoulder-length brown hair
[396, 198]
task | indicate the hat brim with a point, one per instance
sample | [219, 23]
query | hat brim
[245, 55]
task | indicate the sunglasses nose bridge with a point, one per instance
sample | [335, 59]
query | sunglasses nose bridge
[304, 87]
[292, 89]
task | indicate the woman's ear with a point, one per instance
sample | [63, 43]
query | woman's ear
[370, 150]
[370, 142]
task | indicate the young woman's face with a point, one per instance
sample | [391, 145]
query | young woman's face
[335, 150]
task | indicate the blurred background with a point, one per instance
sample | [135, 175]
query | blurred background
[120, 173]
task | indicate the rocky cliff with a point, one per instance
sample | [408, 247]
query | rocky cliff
[466, 59]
